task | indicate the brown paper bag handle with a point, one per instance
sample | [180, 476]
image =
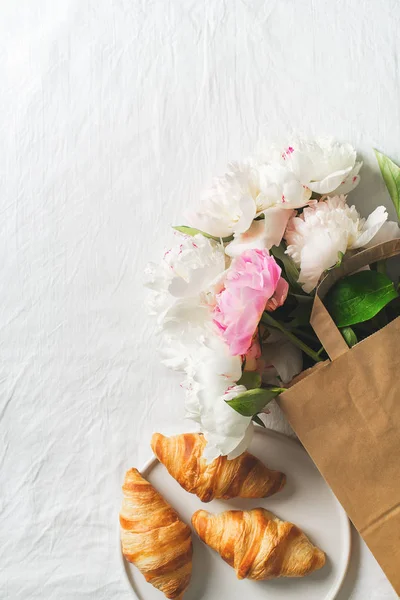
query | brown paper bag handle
[321, 321]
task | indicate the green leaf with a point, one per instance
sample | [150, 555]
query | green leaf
[257, 420]
[253, 401]
[291, 271]
[359, 297]
[250, 380]
[349, 336]
[192, 231]
[391, 175]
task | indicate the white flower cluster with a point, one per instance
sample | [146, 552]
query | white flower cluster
[184, 286]
[296, 194]
[272, 189]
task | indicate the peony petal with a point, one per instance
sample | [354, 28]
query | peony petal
[320, 253]
[248, 213]
[295, 195]
[353, 179]
[224, 428]
[371, 227]
[388, 231]
[243, 444]
[300, 164]
[255, 238]
[276, 220]
[331, 182]
[208, 223]
[279, 295]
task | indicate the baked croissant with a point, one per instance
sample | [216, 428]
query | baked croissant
[154, 538]
[257, 544]
[244, 477]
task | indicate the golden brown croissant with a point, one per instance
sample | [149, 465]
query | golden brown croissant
[257, 544]
[154, 538]
[243, 477]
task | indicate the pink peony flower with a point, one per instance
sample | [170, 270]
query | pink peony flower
[253, 284]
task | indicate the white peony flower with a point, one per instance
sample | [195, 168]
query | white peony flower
[324, 166]
[327, 228]
[186, 280]
[248, 190]
[229, 205]
[184, 287]
[211, 379]
[227, 432]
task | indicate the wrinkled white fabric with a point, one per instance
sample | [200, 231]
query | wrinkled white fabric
[114, 115]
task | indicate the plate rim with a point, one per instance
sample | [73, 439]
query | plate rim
[344, 519]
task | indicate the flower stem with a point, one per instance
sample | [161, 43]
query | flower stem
[266, 319]
[304, 334]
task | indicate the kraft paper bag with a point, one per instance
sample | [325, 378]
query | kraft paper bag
[346, 413]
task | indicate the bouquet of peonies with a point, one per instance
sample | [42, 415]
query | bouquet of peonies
[234, 293]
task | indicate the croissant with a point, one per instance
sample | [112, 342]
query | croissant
[257, 544]
[154, 538]
[244, 477]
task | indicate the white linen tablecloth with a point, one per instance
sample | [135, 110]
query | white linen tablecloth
[114, 114]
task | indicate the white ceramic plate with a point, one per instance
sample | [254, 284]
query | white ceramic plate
[305, 500]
